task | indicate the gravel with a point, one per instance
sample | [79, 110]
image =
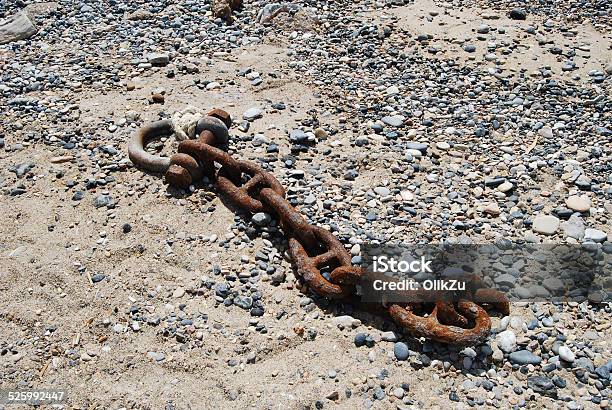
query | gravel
[381, 127]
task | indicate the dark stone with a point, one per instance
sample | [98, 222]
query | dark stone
[494, 182]
[542, 385]
[360, 339]
[518, 14]
[98, 277]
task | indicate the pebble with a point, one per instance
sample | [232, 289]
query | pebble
[578, 203]
[161, 59]
[492, 208]
[346, 322]
[401, 351]
[506, 341]
[103, 200]
[252, 114]
[394, 121]
[594, 235]
[518, 14]
[389, 336]
[524, 357]
[360, 339]
[542, 385]
[261, 219]
[566, 354]
[505, 187]
[574, 227]
[546, 224]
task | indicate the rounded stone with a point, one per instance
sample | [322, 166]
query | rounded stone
[360, 339]
[518, 14]
[506, 341]
[566, 354]
[546, 224]
[401, 351]
[577, 203]
[524, 357]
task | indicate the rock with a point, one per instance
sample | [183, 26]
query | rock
[602, 372]
[333, 396]
[244, 302]
[584, 363]
[517, 14]
[213, 85]
[505, 280]
[505, 187]
[382, 191]
[566, 354]
[542, 385]
[594, 235]
[392, 90]
[401, 351]
[360, 339]
[554, 285]
[578, 203]
[469, 352]
[494, 182]
[252, 113]
[98, 277]
[261, 219]
[140, 14]
[398, 392]
[320, 133]
[103, 200]
[492, 209]
[469, 48]
[223, 8]
[61, 159]
[160, 59]
[483, 29]
[15, 28]
[158, 98]
[394, 120]
[419, 146]
[158, 357]
[546, 224]
[389, 336]
[573, 228]
[178, 293]
[346, 321]
[379, 393]
[524, 357]
[506, 341]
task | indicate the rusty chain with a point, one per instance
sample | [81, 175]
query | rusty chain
[311, 248]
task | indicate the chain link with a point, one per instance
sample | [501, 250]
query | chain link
[321, 260]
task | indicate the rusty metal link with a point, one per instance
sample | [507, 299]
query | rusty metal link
[320, 258]
[433, 327]
[332, 255]
[246, 196]
[292, 221]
